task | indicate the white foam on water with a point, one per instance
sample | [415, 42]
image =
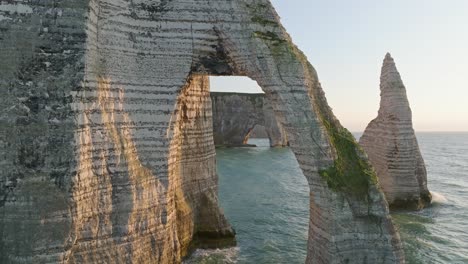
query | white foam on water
[438, 198]
[228, 255]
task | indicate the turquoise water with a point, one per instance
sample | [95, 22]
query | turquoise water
[265, 197]
[439, 234]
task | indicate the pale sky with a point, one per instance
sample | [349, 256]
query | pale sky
[346, 42]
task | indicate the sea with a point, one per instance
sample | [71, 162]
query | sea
[265, 197]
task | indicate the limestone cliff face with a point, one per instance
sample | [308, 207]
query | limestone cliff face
[104, 135]
[392, 147]
[42, 49]
[235, 115]
[199, 218]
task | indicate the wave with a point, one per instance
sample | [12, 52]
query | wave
[226, 255]
[438, 198]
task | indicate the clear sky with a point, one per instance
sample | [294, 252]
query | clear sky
[346, 42]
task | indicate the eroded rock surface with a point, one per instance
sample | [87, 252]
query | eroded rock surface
[392, 147]
[105, 154]
[235, 115]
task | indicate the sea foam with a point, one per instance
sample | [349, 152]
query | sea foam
[226, 255]
[438, 198]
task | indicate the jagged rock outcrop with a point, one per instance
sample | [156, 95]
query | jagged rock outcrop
[392, 147]
[105, 154]
[235, 115]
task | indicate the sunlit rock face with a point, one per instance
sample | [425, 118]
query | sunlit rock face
[235, 115]
[392, 147]
[199, 219]
[105, 135]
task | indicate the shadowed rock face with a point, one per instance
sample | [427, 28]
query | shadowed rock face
[236, 114]
[392, 147]
[105, 132]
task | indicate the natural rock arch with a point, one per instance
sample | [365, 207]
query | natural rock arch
[276, 135]
[235, 115]
[95, 90]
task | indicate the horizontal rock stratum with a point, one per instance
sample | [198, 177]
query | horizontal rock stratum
[392, 147]
[106, 149]
[235, 115]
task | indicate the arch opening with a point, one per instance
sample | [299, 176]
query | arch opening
[270, 174]
[327, 154]
[258, 132]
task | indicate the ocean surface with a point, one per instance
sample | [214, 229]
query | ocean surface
[265, 197]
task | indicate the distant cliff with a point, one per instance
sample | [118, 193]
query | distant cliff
[235, 115]
[392, 147]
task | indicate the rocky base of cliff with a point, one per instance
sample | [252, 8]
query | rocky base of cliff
[415, 204]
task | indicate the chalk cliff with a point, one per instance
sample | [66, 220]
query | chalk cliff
[392, 147]
[235, 115]
[105, 142]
